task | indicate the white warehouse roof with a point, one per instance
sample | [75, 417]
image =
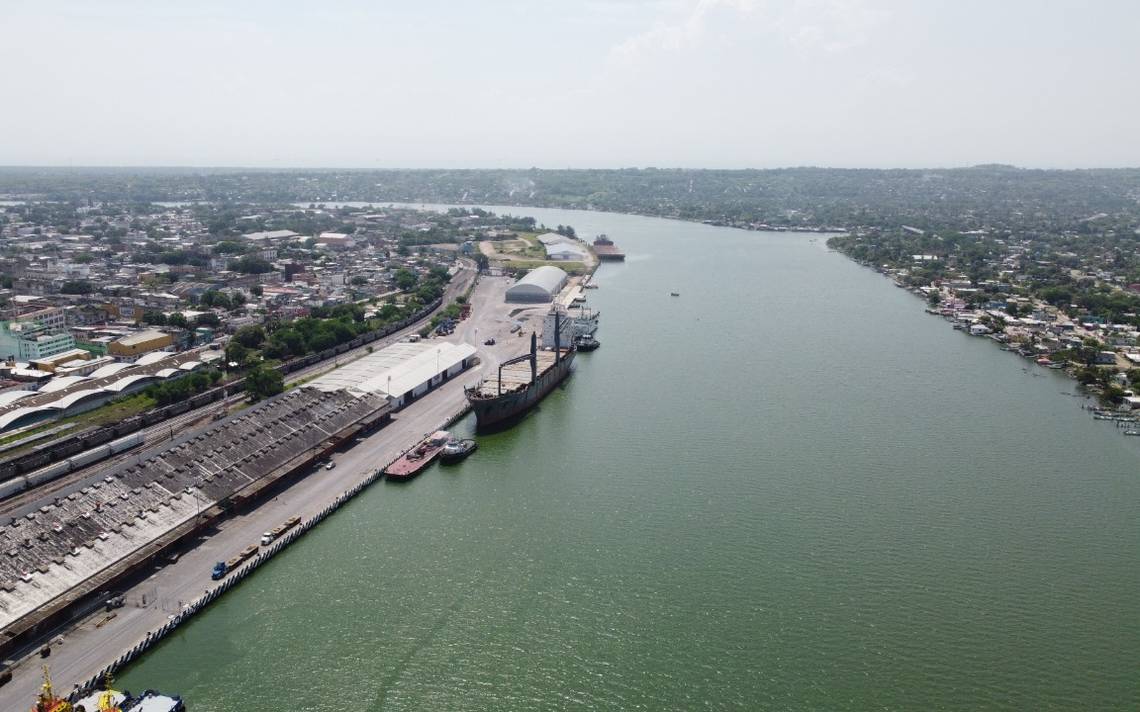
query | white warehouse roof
[552, 238]
[565, 252]
[407, 365]
[538, 285]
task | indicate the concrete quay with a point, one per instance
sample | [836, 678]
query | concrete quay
[86, 647]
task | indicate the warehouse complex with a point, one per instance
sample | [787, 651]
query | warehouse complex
[57, 553]
[64, 396]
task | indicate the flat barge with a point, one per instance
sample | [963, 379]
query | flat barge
[606, 250]
[413, 462]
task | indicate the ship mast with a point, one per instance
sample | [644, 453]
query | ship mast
[47, 701]
[107, 697]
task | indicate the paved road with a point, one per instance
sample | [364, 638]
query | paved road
[90, 646]
[156, 436]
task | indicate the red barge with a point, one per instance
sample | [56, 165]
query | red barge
[412, 462]
[606, 250]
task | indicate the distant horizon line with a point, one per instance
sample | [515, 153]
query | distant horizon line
[362, 169]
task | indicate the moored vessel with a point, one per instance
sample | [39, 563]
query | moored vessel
[412, 462]
[455, 450]
[586, 342]
[106, 700]
[47, 701]
[520, 382]
[606, 250]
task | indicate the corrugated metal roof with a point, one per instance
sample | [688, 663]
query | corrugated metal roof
[399, 367]
[546, 277]
[142, 337]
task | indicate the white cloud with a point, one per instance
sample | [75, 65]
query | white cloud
[684, 30]
[829, 26]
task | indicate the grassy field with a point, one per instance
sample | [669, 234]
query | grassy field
[26, 434]
[525, 247]
[569, 267]
[105, 415]
[113, 412]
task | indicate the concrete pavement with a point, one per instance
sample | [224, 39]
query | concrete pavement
[95, 642]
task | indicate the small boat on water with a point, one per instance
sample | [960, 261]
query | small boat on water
[412, 462]
[674, 294]
[455, 450]
[586, 342]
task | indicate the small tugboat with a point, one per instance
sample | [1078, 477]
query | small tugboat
[455, 450]
[107, 700]
[586, 342]
[412, 462]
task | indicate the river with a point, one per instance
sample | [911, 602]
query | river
[787, 488]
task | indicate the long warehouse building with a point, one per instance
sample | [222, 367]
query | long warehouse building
[55, 552]
[401, 372]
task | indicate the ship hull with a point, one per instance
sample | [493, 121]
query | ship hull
[503, 411]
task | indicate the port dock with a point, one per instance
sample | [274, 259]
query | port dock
[170, 576]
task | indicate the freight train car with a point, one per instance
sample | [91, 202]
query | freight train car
[20, 483]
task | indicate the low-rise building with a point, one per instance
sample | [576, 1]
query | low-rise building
[140, 343]
[49, 364]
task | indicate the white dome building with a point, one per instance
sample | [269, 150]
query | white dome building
[538, 285]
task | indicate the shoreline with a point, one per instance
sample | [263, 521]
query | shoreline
[99, 641]
[961, 318]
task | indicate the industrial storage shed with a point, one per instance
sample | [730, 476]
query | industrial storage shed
[401, 372]
[538, 285]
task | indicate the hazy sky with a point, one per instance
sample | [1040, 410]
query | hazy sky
[589, 83]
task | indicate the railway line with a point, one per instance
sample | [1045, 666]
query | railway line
[156, 435]
[152, 437]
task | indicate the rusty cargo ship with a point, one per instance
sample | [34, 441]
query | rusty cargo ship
[519, 383]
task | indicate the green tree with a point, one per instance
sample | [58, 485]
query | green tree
[229, 247]
[405, 279]
[251, 337]
[236, 353]
[262, 382]
[154, 318]
[80, 286]
[249, 264]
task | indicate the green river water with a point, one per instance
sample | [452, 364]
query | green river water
[788, 488]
